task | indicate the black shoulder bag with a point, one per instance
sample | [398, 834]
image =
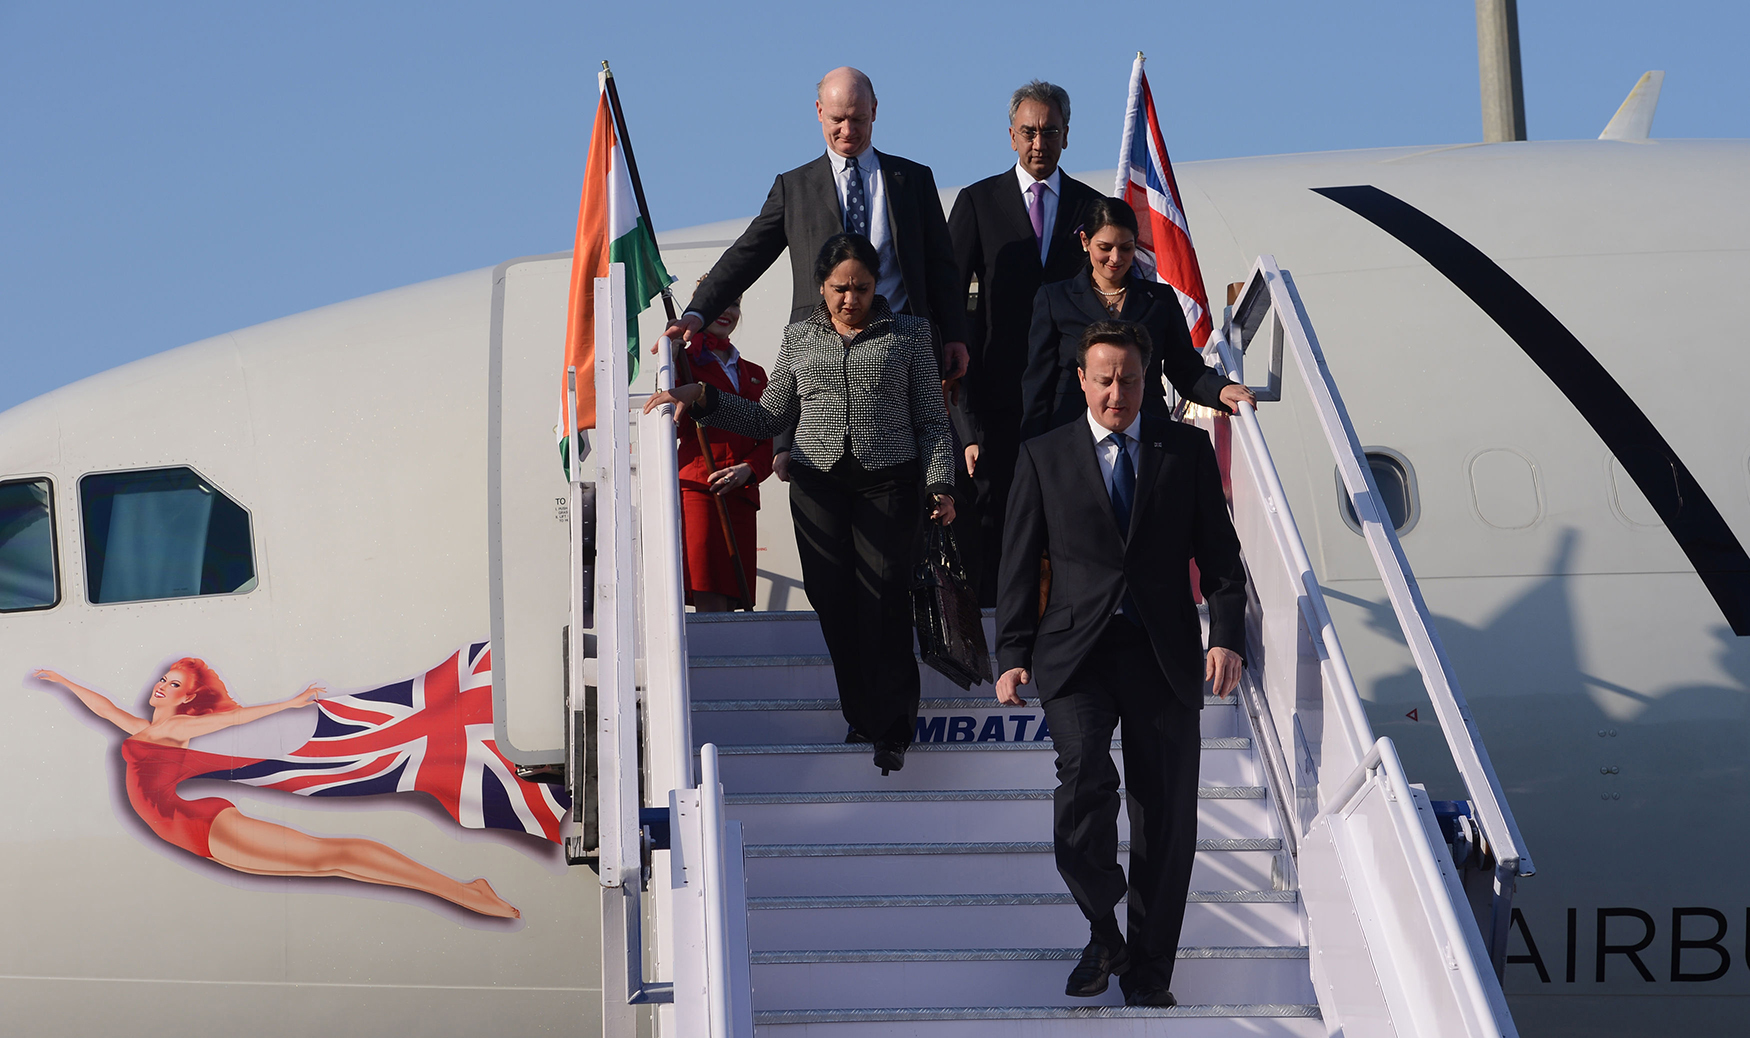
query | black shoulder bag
[945, 609]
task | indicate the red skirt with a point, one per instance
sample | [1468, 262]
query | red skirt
[708, 566]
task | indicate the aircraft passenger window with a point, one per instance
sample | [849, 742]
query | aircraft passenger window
[1397, 490]
[27, 546]
[162, 533]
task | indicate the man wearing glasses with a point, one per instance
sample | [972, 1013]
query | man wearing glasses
[1012, 232]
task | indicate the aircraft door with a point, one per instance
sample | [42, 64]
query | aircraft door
[527, 508]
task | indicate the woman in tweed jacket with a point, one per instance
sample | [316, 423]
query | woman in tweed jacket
[859, 385]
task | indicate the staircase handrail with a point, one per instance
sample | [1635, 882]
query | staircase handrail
[1270, 293]
[1291, 550]
[663, 592]
[717, 972]
[1478, 997]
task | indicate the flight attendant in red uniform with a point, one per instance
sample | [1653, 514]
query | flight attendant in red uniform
[734, 473]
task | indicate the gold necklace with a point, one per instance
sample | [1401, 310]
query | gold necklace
[1114, 301]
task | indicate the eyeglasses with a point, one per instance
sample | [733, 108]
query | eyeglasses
[1050, 133]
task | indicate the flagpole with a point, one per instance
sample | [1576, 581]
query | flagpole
[1120, 189]
[683, 369]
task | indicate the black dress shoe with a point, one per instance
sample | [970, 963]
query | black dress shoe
[854, 736]
[1091, 975]
[1150, 997]
[890, 756]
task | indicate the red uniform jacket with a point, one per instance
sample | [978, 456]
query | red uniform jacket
[728, 448]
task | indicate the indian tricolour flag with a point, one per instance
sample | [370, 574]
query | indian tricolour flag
[609, 230]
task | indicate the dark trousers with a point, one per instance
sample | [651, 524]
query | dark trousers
[1162, 745]
[856, 533]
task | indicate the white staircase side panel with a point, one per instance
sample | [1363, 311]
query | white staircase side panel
[1382, 938]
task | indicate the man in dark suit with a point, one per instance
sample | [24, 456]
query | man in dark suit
[1119, 502]
[1013, 232]
[890, 200]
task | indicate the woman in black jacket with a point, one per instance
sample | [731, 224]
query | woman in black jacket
[1108, 289]
[859, 385]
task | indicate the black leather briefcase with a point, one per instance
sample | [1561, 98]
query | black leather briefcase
[945, 609]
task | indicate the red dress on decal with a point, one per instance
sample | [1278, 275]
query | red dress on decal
[707, 553]
[154, 772]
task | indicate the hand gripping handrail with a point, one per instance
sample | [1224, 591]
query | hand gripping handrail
[1271, 291]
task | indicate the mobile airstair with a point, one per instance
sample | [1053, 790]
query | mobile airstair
[759, 876]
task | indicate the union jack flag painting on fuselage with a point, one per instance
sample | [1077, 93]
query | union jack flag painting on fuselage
[432, 734]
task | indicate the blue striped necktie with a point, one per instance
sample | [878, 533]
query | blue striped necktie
[856, 205]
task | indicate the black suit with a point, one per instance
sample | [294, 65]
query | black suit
[802, 212]
[1052, 395]
[1092, 669]
[994, 242]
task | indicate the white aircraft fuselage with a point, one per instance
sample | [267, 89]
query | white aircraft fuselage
[394, 455]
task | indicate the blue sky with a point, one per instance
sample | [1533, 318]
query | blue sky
[178, 170]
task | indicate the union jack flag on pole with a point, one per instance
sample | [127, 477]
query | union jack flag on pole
[1145, 180]
[431, 733]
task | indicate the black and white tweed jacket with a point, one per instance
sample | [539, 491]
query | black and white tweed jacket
[881, 394]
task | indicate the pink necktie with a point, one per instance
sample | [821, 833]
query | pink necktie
[1036, 209]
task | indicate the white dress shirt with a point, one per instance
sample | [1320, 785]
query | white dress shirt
[1047, 202]
[888, 281]
[730, 366]
[1107, 451]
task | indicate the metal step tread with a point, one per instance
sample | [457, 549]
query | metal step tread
[800, 659]
[780, 958]
[755, 616]
[842, 1016]
[753, 749]
[1195, 897]
[887, 796]
[957, 703]
[855, 850]
[743, 617]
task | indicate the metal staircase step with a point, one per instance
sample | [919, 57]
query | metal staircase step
[938, 703]
[994, 977]
[799, 868]
[941, 719]
[902, 816]
[778, 767]
[768, 958]
[795, 901]
[1190, 1021]
[790, 675]
[983, 920]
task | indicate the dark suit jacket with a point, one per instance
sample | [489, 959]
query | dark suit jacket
[993, 241]
[1059, 505]
[802, 212]
[1051, 393]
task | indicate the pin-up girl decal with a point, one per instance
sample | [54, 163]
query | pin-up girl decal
[190, 701]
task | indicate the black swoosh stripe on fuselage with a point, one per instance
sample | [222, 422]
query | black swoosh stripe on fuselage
[1669, 486]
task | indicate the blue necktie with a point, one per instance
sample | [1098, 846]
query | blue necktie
[856, 206]
[1123, 483]
[1123, 497]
